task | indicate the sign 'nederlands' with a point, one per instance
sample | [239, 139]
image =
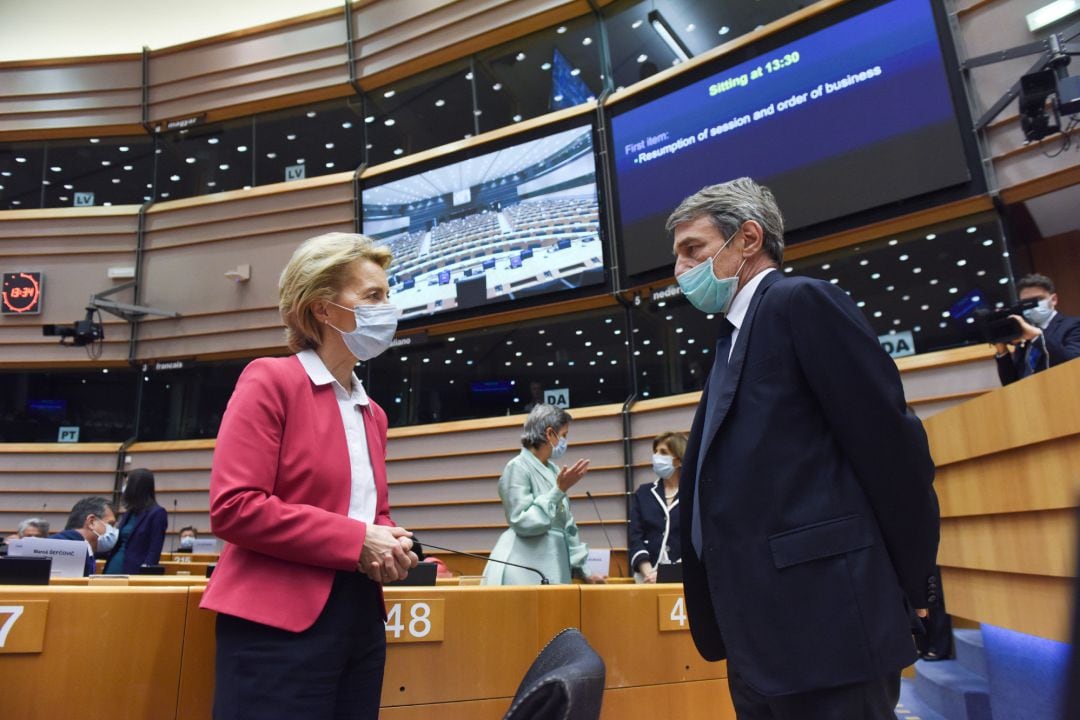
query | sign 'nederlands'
[21, 293]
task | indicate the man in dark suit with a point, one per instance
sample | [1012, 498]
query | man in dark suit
[1047, 338]
[810, 525]
[91, 519]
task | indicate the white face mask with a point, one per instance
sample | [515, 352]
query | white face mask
[375, 328]
[1040, 314]
[106, 541]
[663, 465]
[559, 449]
[187, 542]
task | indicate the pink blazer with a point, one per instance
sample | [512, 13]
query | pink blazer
[279, 494]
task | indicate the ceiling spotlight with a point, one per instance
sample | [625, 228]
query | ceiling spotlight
[587, 41]
[174, 178]
[931, 236]
[546, 66]
[329, 146]
[241, 148]
[389, 122]
[724, 30]
[123, 148]
[636, 24]
[438, 103]
[190, 161]
[517, 118]
[223, 166]
[271, 156]
[469, 75]
[971, 229]
[20, 159]
[389, 94]
[330, 164]
[213, 141]
[561, 29]
[642, 57]
[290, 137]
[311, 113]
[520, 56]
[106, 163]
[575, 72]
[398, 151]
[56, 168]
[497, 87]
[346, 125]
[95, 141]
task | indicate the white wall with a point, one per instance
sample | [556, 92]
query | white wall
[33, 29]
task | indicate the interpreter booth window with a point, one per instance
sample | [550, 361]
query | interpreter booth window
[67, 406]
[647, 36]
[103, 171]
[21, 168]
[420, 112]
[558, 67]
[672, 344]
[308, 141]
[205, 158]
[578, 359]
[185, 401]
[922, 290]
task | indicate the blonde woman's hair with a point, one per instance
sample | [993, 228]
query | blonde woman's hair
[317, 270]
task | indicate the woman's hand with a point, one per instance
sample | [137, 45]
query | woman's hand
[648, 572]
[594, 579]
[387, 553]
[569, 476]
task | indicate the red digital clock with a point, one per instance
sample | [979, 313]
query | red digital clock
[21, 293]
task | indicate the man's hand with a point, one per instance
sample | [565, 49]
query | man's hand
[594, 579]
[1028, 332]
[387, 553]
[922, 612]
[569, 476]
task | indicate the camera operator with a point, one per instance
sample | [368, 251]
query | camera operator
[1047, 338]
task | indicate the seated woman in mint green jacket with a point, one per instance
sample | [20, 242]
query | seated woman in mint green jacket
[533, 489]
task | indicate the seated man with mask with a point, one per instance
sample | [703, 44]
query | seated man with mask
[92, 519]
[1047, 337]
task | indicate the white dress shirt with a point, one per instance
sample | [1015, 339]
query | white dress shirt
[362, 497]
[737, 312]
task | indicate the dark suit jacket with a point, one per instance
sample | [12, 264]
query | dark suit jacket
[819, 521]
[73, 534]
[144, 547]
[652, 524]
[1062, 338]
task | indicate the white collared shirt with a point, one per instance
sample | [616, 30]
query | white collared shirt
[362, 496]
[741, 303]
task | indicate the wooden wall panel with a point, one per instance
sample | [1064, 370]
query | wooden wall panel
[1006, 477]
[73, 248]
[250, 68]
[395, 39]
[190, 244]
[71, 96]
[45, 480]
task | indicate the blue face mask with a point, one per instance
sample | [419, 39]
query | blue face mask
[704, 290]
[375, 328]
[1039, 314]
[559, 449]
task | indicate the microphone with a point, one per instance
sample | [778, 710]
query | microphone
[543, 578]
[603, 529]
[174, 503]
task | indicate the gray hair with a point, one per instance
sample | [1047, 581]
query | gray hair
[40, 524]
[731, 204]
[540, 419]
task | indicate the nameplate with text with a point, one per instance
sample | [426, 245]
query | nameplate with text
[672, 613]
[22, 625]
[411, 621]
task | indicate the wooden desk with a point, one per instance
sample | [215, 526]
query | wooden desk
[650, 673]
[490, 637]
[139, 631]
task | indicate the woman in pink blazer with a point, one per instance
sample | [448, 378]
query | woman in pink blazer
[298, 492]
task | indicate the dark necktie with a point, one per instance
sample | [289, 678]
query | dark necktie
[716, 382]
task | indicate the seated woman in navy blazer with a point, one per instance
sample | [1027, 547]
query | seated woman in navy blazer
[142, 527]
[654, 512]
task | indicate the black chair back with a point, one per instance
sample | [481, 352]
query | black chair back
[565, 682]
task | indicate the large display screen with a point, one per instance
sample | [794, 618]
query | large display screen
[493, 227]
[847, 118]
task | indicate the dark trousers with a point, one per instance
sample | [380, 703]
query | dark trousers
[873, 700]
[334, 669]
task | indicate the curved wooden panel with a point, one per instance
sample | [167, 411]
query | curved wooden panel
[70, 96]
[190, 244]
[264, 67]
